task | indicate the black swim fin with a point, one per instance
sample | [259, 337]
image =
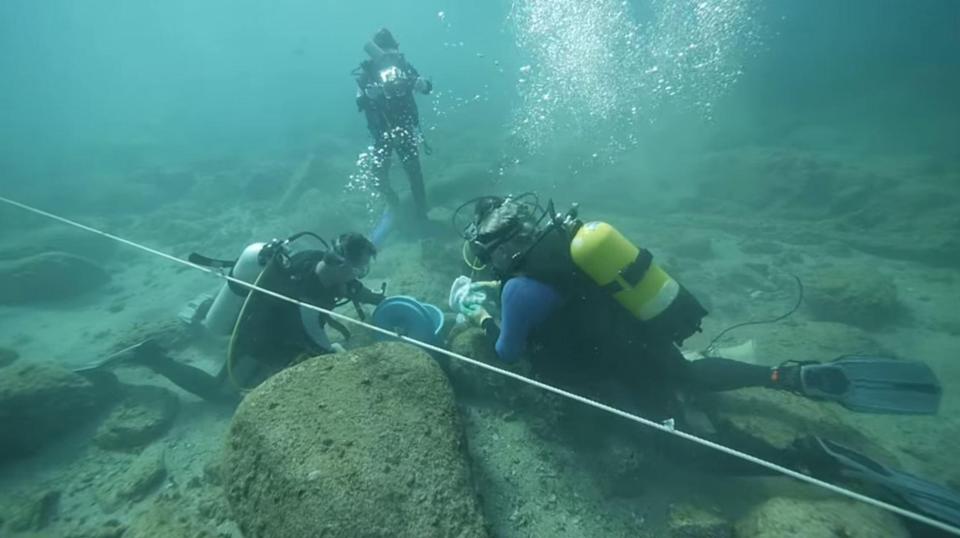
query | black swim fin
[929, 498]
[874, 385]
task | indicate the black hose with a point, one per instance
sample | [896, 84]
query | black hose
[779, 318]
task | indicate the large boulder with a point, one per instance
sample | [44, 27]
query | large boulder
[783, 517]
[864, 299]
[41, 401]
[366, 443]
[49, 276]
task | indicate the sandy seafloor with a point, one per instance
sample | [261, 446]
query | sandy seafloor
[531, 486]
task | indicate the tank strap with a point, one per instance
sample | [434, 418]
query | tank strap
[633, 273]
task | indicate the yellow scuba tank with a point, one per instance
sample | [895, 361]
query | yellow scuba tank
[639, 285]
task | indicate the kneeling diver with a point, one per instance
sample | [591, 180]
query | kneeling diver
[267, 333]
[595, 314]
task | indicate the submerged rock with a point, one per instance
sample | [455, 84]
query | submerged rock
[135, 482]
[366, 443]
[7, 356]
[168, 517]
[806, 341]
[41, 401]
[109, 529]
[864, 299]
[60, 239]
[144, 414]
[767, 422]
[688, 521]
[33, 513]
[49, 276]
[829, 518]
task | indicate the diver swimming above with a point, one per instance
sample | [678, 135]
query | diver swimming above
[268, 334]
[596, 315]
[385, 94]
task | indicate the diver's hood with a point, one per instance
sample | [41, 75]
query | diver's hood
[379, 54]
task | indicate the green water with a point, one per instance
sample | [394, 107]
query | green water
[741, 141]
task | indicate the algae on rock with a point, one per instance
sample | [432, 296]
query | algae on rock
[365, 443]
[783, 517]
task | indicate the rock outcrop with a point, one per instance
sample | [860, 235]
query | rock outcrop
[41, 401]
[783, 517]
[366, 443]
[863, 299]
[50, 276]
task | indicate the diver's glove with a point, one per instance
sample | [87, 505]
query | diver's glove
[477, 315]
[423, 85]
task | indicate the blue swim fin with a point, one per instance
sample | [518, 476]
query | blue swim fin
[874, 385]
[934, 500]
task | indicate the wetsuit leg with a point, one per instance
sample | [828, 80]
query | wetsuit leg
[715, 374]
[190, 379]
[711, 374]
[382, 151]
[406, 146]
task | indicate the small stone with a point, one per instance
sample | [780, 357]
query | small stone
[688, 521]
[144, 474]
[145, 413]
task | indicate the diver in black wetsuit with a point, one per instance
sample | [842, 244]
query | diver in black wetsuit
[273, 334]
[385, 94]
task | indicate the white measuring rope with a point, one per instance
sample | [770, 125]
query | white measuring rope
[666, 427]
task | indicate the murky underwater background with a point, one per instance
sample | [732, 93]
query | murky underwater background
[741, 141]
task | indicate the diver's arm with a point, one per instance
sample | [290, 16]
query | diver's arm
[356, 291]
[314, 325]
[525, 304]
[420, 84]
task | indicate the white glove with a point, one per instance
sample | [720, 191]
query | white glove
[338, 347]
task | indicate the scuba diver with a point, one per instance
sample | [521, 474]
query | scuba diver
[595, 314]
[268, 334]
[385, 94]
